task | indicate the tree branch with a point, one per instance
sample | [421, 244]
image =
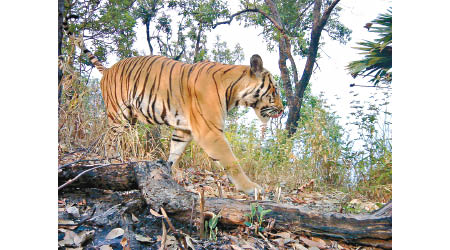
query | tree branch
[256, 10]
[327, 12]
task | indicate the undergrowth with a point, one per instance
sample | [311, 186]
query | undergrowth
[320, 149]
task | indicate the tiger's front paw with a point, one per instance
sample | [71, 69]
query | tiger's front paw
[250, 188]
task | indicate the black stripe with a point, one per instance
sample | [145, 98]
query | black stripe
[217, 89]
[232, 67]
[163, 115]
[137, 77]
[230, 90]
[148, 70]
[168, 101]
[207, 71]
[177, 140]
[170, 77]
[181, 82]
[129, 76]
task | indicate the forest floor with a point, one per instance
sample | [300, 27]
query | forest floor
[92, 218]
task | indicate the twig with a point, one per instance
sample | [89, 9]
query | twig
[265, 239]
[175, 232]
[86, 171]
[73, 152]
[79, 223]
[86, 151]
[219, 186]
[192, 214]
[163, 236]
[202, 215]
[78, 161]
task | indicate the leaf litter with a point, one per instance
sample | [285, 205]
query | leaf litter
[123, 221]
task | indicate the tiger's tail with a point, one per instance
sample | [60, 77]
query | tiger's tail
[79, 42]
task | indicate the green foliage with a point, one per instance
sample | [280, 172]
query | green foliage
[297, 25]
[372, 168]
[221, 53]
[377, 60]
[320, 149]
[256, 217]
[211, 227]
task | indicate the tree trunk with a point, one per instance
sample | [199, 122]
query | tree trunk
[60, 36]
[197, 44]
[319, 22]
[158, 190]
[147, 31]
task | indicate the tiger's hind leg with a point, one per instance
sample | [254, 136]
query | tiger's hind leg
[116, 128]
[180, 139]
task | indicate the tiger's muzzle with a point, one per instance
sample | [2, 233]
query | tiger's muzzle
[271, 111]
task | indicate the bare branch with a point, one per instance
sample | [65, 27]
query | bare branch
[233, 16]
[256, 10]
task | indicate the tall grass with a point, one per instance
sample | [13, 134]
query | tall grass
[320, 149]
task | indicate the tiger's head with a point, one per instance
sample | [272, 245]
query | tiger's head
[261, 92]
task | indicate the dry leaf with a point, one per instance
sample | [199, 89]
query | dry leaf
[70, 239]
[154, 213]
[73, 211]
[142, 238]
[284, 235]
[124, 243]
[116, 232]
[298, 201]
[86, 235]
[134, 218]
[312, 243]
[298, 246]
[319, 240]
[189, 241]
[280, 242]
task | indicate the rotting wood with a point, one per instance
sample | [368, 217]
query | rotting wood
[159, 190]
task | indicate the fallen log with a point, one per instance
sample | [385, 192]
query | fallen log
[160, 190]
[112, 177]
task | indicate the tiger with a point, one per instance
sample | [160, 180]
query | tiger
[194, 99]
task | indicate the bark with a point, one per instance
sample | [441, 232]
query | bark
[295, 100]
[115, 177]
[197, 43]
[319, 21]
[60, 36]
[147, 29]
[158, 190]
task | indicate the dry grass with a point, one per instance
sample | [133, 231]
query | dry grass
[316, 151]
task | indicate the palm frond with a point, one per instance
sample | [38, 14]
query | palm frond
[377, 54]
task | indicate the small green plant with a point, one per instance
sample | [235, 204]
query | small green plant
[211, 226]
[256, 217]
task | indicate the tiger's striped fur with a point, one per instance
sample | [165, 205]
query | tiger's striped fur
[192, 98]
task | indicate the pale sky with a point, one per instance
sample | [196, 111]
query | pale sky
[332, 79]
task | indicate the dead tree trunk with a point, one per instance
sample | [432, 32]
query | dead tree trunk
[160, 190]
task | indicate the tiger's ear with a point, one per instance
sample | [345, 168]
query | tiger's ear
[256, 65]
